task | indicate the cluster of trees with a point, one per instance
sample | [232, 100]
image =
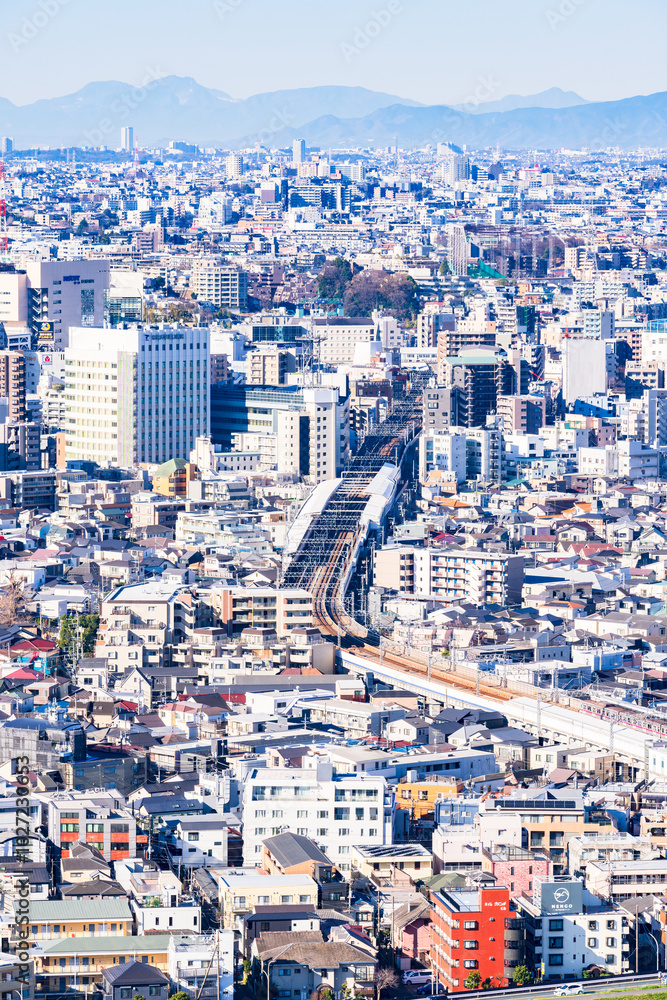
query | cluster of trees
[522, 976]
[396, 294]
[87, 626]
[363, 291]
[12, 601]
[334, 279]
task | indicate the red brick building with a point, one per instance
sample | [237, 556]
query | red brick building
[516, 868]
[475, 931]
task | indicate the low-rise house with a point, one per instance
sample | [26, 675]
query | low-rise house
[122, 982]
[305, 962]
[243, 889]
[389, 863]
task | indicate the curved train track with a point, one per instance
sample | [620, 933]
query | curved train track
[323, 557]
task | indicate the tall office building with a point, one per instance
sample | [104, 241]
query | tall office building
[7, 144]
[62, 293]
[136, 396]
[127, 138]
[299, 151]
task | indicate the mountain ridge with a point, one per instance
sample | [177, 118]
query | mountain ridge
[171, 107]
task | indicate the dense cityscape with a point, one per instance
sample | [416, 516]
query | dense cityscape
[333, 557]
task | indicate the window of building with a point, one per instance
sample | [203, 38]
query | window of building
[555, 959]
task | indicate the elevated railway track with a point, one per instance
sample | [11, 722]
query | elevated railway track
[325, 562]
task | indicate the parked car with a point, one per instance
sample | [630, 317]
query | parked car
[416, 977]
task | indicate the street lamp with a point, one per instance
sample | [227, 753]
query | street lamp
[267, 971]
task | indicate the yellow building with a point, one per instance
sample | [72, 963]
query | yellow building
[419, 797]
[78, 964]
[172, 478]
[241, 892]
[53, 919]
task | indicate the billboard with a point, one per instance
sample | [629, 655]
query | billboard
[45, 332]
[562, 897]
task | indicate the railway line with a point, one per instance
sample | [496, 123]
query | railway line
[325, 555]
[323, 559]
[324, 562]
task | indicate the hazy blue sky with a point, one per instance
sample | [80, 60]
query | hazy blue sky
[435, 51]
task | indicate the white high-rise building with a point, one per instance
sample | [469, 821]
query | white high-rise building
[458, 250]
[223, 285]
[584, 368]
[235, 165]
[127, 138]
[136, 396]
[299, 151]
[215, 210]
[336, 812]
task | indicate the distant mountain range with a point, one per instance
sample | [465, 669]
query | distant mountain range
[553, 98]
[179, 108]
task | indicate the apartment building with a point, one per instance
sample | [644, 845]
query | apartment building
[77, 963]
[224, 286]
[521, 414]
[569, 930]
[269, 366]
[192, 964]
[450, 343]
[550, 817]
[136, 395]
[99, 820]
[474, 930]
[335, 338]
[433, 322]
[139, 621]
[334, 812]
[613, 847]
[281, 611]
[515, 867]
[357, 720]
[383, 863]
[443, 451]
[77, 918]
[17, 979]
[619, 880]
[452, 574]
[13, 383]
[483, 376]
[240, 890]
